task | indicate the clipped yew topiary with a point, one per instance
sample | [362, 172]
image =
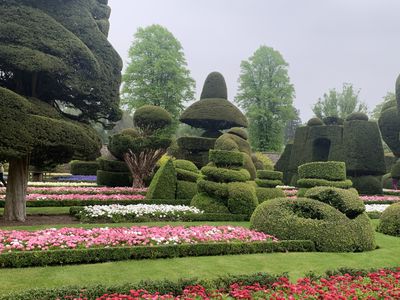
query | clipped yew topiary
[242, 198]
[187, 175]
[389, 222]
[315, 122]
[163, 185]
[267, 181]
[368, 185]
[79, 167]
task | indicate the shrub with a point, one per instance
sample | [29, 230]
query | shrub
[226, 143]
[195, 143]
[312, 182]
[264, 194]
[208, 204]
[133, 132]
[242, 198]
[187, 175]
[240, 132]
[267, 183]
[395, 171]
[113, 179]
[266, 161]
[185, 165]
[368, 185]
[113, 165]
[347, 202]
[315, 122]
[303, 218]
[213, 189]
[226, 158]
[163, 185]
[225, 175]
[185, 189]
[390, 220]
[330, 170]
[151, 118]
[267, 174]
[357, 116]
[389, 124]
[387, 181]
[79, 167]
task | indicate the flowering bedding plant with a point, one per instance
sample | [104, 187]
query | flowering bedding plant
[59, 184]
[380, 198]
[78, 238]
[384, 284]
[376, 207]
[79, 197]
[82, 190]
[117, 212]
[77, 178]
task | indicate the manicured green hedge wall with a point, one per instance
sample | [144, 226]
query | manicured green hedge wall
[329, 170]
[113, 179]
[79, 167]
[113, 165]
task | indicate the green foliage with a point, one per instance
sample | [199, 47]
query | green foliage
[390, 220]
[187, 175]
[368, 185]
[112, 165]
[242, 198]
[333, 120]
[240, 132]
[214, 87]
[395, 171]
[195, 144]
[150, 118]
[84, 167]
[389, 100]
[266, 161]
[291, 127]
[267, 174]
[214, 189]
[264, 194]
[224, 142]
[389, 125]
[346, 201]
[223, 158]
[225, 175]
[133, 132]
[163, 185]
[113, 179]
[185, 189]
[266, 95]
[339, 103]
[282, 164]
[315, 122]
[330, 170]
[387, 181]
[157, 72]
[357, 116]
[208, 204]
[312, 182]
[328, 228]
[268, 183]
[185, 165]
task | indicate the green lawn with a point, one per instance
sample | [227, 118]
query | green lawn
[296, 264]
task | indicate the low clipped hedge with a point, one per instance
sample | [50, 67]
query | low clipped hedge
[330, 170]
[24, 259]
[225, 175]
[209, 204]
[186, 175]
[185, 189]
[113, 179]
[312, 182]
[268, 183]
[226, 158]
[242, 198]
[213, 189]
[271, 175]
[113, 165]
[309, 219]
[195, 144]
[264, 194]
[368, 185]
[80, 167]
[390, 220]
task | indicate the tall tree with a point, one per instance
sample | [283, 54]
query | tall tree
[53, 53]
[266, 95]
[157, 72]
[291, 126]
[388, 100]
[339, 103]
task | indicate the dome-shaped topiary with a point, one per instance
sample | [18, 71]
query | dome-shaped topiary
[333, 120]
[315, 122]
[357, 116]
[150, 118]
[240, 132]
[214, 87]
[390, 220]
[389, 125]
[133, 132]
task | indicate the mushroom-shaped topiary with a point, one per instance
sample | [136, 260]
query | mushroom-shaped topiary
[357, 116]
[150, 118]
[213, 110]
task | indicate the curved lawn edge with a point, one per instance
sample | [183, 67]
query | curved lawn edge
[95, 255]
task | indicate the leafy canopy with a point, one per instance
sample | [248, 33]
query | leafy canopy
[388, 100]
[266, 95]
[157, 73]
[339, 103]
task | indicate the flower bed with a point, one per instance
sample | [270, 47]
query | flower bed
[62, 190]
[376, 207]
[79, 197]
[125, 213]
[77, 178]
[380, 199]
[384, 284]
[60, 184]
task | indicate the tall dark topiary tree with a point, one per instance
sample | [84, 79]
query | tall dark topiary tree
[53, 54]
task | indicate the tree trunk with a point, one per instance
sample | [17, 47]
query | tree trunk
[15, 206]
[37, 176]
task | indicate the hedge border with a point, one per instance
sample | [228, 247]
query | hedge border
[95, 255]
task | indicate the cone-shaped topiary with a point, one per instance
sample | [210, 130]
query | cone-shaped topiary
[214, 87]
[163, 185]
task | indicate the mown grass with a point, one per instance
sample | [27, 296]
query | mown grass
[296, 264]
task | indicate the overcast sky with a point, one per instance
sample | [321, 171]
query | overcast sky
[325, 42]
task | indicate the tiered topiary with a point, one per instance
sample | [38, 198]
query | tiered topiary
[331, 174]
[389, 222]
[267, 181]
[334, 219]
[143, 146]
[187, 174]
[224, 188]
[213, 112]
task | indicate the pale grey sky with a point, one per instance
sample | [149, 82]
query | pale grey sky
[325, 42]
